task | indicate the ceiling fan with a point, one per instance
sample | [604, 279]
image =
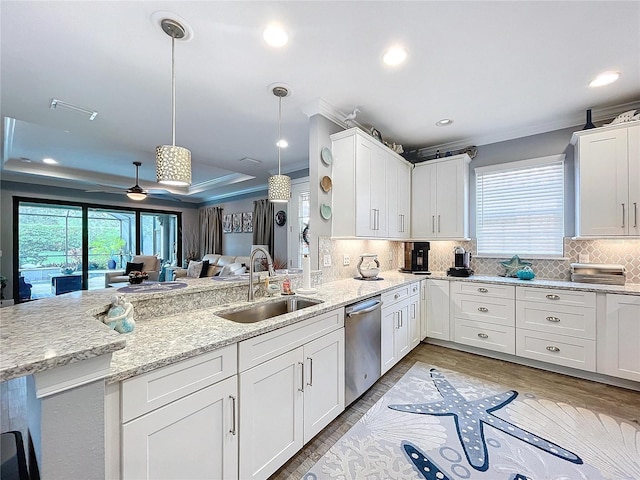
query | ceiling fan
[136, 192]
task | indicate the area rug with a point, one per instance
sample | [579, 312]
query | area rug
[438, 424]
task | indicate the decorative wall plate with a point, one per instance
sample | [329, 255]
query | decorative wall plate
[325, 211]
[281, 218]
[326, 184]
[326, 156]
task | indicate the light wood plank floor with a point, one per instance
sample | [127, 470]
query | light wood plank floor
[598, 397]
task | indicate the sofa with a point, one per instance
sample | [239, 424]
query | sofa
[151, 265]
[216, 262]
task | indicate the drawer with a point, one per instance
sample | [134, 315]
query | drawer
[561, 319]
[485, 335]
[489, 309]
[556, 297]
[152, 390]
[483, 289]
[572, 352]
[256, 350]
[400, 293]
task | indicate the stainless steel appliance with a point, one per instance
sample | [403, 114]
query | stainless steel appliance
[598, 273]
[416, 257]
[461, 263]
[362, 347]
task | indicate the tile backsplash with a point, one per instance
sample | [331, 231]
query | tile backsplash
[390, 255]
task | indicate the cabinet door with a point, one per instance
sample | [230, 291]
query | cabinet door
[603, 188]
[379, 190]
[438, 309]
[402, 334]
[398, 198]
[404, 198]
[271, 409]
[620, 351]
[634, 180]
[423, 309]
[451, 201]
[415, 321]
[324, 382]
[390, 322]
[192, 438]
[423, 198]
[365, 210]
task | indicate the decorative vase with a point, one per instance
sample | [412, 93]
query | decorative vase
[136, 281]
[111, 264]
[368, 266]
[589, 123]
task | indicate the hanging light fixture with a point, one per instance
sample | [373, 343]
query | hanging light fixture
[173, 163]
[279, 185]
[136, 192]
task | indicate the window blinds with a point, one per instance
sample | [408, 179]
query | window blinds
[520, 208]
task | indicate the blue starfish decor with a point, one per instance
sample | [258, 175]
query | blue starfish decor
[470, 418]
[512, 266]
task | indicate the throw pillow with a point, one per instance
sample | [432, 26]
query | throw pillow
[194, 269]
[133, 267]
[205, 268]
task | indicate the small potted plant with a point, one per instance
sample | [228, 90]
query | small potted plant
[136, 277]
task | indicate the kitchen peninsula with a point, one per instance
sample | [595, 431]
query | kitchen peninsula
[49, 343]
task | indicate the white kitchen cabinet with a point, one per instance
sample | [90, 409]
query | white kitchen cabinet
[423, 309]
[619, 338]
[365, 175]
[440, 198]
[438, 309]
[292, 387]
[607, 164]
[415, 316]
[194, 437]
[398, 198]
[400, 327]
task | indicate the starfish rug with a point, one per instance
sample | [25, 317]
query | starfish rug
[438, 424]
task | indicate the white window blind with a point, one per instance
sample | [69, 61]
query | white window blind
[520, 208]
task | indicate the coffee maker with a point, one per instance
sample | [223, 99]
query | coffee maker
[416, 258]
[461, 263]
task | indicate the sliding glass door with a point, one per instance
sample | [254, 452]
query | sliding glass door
[159, 232]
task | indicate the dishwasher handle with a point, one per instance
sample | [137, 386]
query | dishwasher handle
[375, 306]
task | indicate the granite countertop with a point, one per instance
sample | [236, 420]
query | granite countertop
[44, 334]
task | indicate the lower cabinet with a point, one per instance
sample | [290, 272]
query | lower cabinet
[423, 309]
[415, 319]
[286, 400]
[400, 329]
[191, 438]
[619, 338]
[438, 309]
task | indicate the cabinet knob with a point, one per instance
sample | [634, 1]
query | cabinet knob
[553, 297]
[483, 309]
[553, 319]
[551, 348]
[396, 296]
[482, 290]
[483, 335]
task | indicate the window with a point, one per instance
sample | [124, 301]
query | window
[520, 208]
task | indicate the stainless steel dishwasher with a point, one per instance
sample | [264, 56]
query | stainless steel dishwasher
[362, 347]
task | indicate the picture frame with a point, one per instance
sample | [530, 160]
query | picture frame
[237, 223]
[227, 223]
[247, 222]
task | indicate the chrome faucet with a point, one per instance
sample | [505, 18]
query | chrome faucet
[251, 266]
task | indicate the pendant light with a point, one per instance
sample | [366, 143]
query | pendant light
[279, 185]
[173, 163]
[136, 192]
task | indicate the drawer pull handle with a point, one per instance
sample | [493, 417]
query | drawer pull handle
[553, 297]
[551, 348]
[233, 415]
[483, 335]
[483, 309]
[301, 388]
[553, 319]
[482, 290]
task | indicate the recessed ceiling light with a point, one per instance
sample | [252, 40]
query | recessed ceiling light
[282, 143]
[394, 56]
[275, 36]
[445, 122]
[50, 161]
[605, 78]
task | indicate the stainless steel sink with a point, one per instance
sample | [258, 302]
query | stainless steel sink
[262, 311]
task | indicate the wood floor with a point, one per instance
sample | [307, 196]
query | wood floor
[598, 397]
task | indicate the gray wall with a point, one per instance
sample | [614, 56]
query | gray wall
[542, 145]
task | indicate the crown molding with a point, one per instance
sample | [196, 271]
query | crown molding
[320, 106]
[229, 179]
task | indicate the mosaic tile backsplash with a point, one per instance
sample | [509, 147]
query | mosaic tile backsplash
[625, 252]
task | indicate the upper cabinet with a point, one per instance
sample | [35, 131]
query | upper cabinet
[607, 162]
[369, 196]
[440, 199]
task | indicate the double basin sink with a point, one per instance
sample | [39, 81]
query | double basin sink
[263, 311]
